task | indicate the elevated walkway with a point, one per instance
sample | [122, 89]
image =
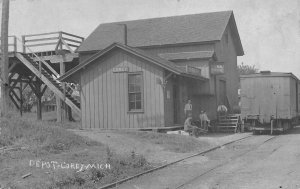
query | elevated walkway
[37, 61]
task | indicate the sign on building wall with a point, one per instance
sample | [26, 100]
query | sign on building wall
[217, 68]
[120, 69]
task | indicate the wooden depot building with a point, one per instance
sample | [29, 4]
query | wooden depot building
[140, 74]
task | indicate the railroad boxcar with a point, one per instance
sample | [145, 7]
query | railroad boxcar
[270, 101]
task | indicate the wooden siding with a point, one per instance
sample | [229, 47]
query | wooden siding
[104, 94]
[201, 64]
[225, 52]
[293, 97]
[298, 84]
[169, 102]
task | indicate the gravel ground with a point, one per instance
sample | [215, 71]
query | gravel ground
[249, 163]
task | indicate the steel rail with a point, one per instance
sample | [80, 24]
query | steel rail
[221, 165]
[115, 184]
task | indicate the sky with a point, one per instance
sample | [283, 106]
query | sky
[269, 29]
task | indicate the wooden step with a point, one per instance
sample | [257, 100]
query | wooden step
[228, 121]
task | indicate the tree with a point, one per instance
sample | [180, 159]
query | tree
[246, 69]
[4, 58]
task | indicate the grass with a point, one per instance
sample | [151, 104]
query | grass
[170, 142]
[48, 141]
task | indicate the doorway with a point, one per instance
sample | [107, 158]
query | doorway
[176, 104]
[222, 93]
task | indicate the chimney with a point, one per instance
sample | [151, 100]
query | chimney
[125, 33]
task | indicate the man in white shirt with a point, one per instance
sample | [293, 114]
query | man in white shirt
[188, 108]
[204, 120]
[222, 110]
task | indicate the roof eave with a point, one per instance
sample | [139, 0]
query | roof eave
[194, 76]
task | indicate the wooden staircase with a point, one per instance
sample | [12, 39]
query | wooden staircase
[47, 77]
[229, 123]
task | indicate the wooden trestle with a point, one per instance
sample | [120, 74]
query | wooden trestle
[43, 58]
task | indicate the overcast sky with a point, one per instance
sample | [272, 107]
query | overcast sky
[269, 29]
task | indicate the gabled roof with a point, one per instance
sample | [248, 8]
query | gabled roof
[188, 55]
[195, 28]
[170, 66]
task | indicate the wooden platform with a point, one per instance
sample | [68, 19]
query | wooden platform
[155, 129]
[37, 61]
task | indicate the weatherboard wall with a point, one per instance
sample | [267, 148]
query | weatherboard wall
[226, 52]
[104, 94]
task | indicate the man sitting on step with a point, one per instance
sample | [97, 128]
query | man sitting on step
[188, 127]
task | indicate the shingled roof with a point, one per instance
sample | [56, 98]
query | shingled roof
[204, 27]
[170, 66]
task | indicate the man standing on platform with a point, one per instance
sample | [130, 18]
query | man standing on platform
[188, 108]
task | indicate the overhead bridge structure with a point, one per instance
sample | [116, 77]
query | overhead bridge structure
[36, 61]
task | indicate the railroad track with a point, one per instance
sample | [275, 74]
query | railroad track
[190, 181]
[117, 183]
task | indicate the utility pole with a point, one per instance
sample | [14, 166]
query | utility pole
[4, 59]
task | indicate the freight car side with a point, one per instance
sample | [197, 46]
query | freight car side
[269, 98]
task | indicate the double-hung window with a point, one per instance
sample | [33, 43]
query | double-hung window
[135, 92]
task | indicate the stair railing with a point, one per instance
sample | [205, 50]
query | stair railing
[41, 61]
[61, 40]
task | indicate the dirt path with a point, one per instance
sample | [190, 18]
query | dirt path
[121, 143]
[155, 153]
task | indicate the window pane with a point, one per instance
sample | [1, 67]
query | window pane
[137, 88]
[138, 79]
[131, 105]
[138, 105]
[132, 97]
[130, 79]
[131, 88]
[135, 91]
[139, 96]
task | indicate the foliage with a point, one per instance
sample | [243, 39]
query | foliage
[29, 98]
[45, 141]
[244, 69]
[122, 166]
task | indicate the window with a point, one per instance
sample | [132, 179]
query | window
[135, 91]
